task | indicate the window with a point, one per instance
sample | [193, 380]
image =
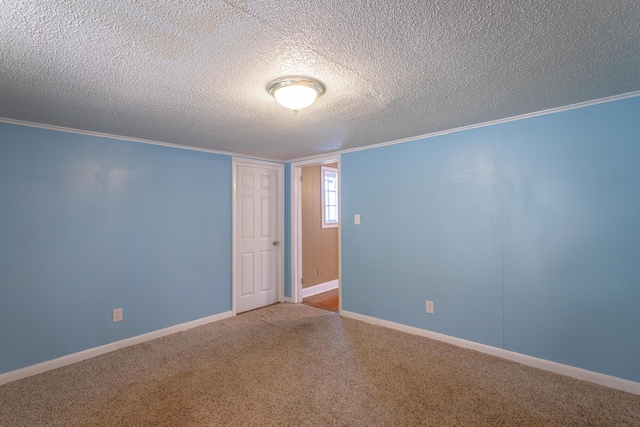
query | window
[329, 179]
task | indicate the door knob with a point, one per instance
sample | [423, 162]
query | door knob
[276, 243]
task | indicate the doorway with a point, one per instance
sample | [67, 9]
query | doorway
[315, 232]
[258, 231]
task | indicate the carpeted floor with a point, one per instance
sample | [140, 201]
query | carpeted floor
[293, 365]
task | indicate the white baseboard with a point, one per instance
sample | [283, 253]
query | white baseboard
[320, 288]
[547, 365]
[97, 351]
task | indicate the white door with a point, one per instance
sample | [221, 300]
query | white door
[257, 237]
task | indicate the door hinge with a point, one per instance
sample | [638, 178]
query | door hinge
[301, 281]
[300, 178]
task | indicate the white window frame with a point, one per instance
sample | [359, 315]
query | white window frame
[325, 224]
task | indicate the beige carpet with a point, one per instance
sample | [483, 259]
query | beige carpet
[293, 365]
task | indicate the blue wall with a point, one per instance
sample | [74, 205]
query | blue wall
[90, 224]
[524, 234]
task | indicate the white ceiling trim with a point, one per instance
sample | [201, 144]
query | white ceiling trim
[126, 138]
[478, 125]
[332, 153]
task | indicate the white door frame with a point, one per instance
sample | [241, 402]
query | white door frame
[296, 224]
[279, 168]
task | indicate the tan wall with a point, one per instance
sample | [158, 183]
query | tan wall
[319, 245]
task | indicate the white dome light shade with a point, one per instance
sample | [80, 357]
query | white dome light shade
[295, 97]
[295, 92]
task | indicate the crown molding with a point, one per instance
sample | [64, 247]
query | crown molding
[130, 139]
[476, 126]
[330, 153]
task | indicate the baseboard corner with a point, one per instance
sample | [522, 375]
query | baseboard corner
[69, 359]
[546, 365]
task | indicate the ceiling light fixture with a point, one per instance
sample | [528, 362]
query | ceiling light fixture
[295, 92]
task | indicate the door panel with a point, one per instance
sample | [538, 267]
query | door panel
[265, 208]
[246, 222]
[257, 255]
[246, 273]
[266, 262]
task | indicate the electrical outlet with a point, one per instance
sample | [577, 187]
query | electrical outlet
[430, 307]
[319, 272]
[117, 315]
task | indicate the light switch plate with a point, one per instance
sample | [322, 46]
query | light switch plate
[356, 219]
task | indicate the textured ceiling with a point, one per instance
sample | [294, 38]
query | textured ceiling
[194, 72]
